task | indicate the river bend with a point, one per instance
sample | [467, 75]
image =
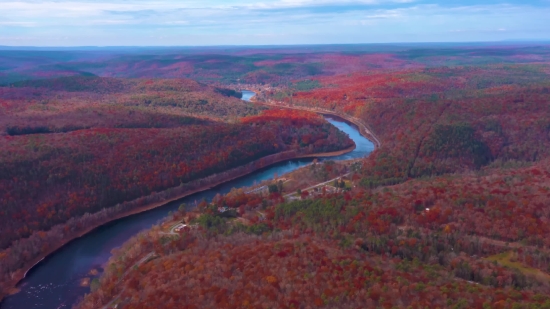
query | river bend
[54, 282]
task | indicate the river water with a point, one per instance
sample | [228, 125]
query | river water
[54, 283]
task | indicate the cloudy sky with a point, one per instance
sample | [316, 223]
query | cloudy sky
[246, 22]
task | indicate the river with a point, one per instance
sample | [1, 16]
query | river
[54, 282]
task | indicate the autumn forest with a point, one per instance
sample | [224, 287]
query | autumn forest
[451, 210]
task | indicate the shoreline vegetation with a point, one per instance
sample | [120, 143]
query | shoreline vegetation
[159, 199]
[362, 127]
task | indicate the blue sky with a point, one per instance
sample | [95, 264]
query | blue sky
[245, 22]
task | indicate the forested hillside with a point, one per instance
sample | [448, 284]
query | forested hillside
[71, 103]
[441, 120]
[93, 151]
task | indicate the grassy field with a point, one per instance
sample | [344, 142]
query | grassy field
[509, 259]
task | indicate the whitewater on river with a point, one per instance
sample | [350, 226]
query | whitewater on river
[54, 283]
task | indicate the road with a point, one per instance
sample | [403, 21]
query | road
[141, 261]
[256, 190]
[265, 187]
[320, 184]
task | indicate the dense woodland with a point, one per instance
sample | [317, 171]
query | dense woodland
[72, 103]
[442, 120]
[87, 170]
[421, 243]
[451, 211]
[58, 177]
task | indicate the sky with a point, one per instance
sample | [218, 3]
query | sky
[268, 22]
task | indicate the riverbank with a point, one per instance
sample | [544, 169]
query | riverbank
[204, 184]
[363, 128]
[329, 154]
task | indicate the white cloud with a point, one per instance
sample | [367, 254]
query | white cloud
[345, 21]
[18, 23]
[309, 3]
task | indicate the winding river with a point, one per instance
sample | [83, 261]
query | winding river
[54, 282]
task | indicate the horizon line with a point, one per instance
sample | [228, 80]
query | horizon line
[500, 42]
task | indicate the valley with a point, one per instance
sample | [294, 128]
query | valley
[349, 178]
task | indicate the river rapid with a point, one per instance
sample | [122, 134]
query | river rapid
[54, 283]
